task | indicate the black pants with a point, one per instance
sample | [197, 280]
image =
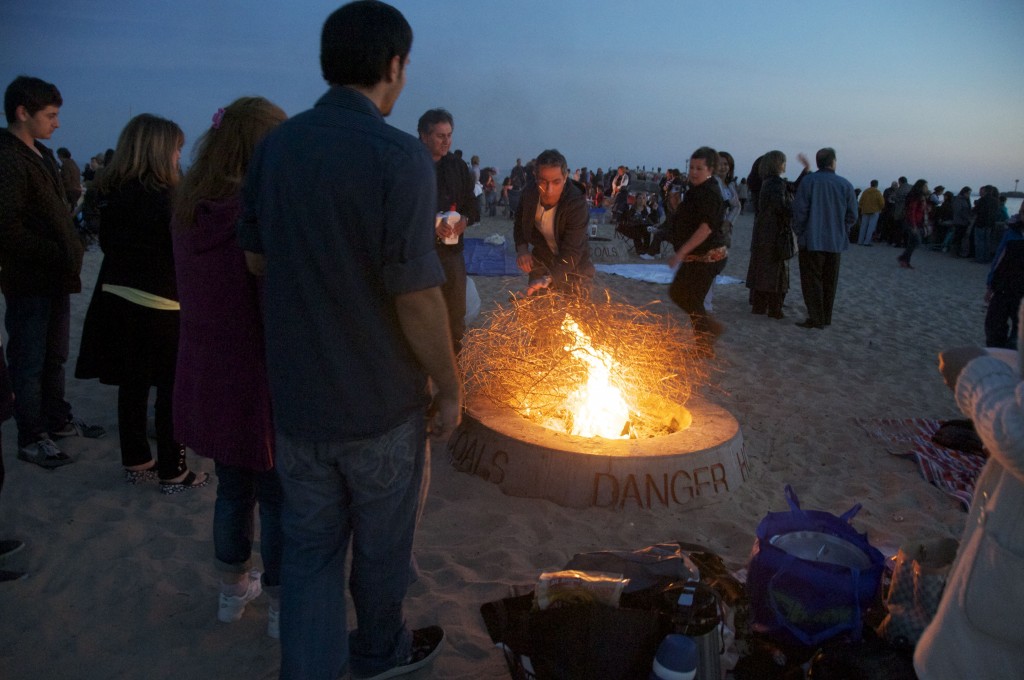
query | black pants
[454, 290]
[1001, 320]
[132, 416]
[763, 301]
[659, 236]
[819, 278]
[690, 286]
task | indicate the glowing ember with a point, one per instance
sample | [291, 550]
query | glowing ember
[597, 406]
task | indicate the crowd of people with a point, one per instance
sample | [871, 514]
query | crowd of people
[340, 317]
[201, 294]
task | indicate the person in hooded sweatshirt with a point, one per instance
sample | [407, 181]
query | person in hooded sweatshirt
[976, 632]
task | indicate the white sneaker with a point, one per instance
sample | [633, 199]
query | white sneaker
[646, 256]
[274, 622]
[230, 607]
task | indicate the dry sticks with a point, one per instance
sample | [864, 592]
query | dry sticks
[526, 358]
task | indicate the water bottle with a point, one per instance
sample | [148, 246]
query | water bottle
[696, 616]
[676, 659]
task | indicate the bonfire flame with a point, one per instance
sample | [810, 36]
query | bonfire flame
[584, 367]
[597, 407]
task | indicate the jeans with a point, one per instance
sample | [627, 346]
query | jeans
[867, 228]
[366, 491]
[983, 250]
[238, 491]
[37, 349]
[513, 202]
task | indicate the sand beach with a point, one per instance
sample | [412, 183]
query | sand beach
[121, 583]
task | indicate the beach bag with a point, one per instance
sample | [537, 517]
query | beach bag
[600, 641]
[574, 642]
[811, 575]
[662, 575]
[918, 579]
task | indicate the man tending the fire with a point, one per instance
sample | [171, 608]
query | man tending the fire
[550, 230]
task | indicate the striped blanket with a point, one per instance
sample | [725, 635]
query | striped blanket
[955, 472]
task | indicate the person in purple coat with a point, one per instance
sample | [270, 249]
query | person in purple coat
[221, 398]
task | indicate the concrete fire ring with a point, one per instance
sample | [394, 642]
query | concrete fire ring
[685, 469]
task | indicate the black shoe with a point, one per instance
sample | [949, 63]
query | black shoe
[426, 645]
[76, 427]
[810, 324]
[9, 547]
[776, 314]
[11, 575]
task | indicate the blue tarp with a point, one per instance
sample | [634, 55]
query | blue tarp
[654, 273]
[488, 259]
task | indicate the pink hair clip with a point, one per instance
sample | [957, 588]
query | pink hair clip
[217, 118]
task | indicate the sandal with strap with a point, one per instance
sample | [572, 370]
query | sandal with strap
[191, 481]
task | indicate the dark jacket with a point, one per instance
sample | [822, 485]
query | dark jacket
[40, 253]
[135, 237]
[766, 272]
[702, 204]
[573, 259]
[986, 212]
[455, 188]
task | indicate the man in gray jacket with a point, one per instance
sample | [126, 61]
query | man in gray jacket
[824, 210]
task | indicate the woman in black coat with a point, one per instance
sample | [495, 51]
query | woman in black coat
[130, 334]
[768, 271]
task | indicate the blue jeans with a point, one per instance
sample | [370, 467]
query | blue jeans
[983, 250]
[867, 228]
[366, 491]
[37, 349]
[238, 491]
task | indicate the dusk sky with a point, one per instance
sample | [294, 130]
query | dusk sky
[923, 89]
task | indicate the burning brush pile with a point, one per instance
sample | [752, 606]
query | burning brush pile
[586, 368]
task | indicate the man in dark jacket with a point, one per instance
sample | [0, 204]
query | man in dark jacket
[454, 194]
[354, 326]
[550, 230]
[40, 264]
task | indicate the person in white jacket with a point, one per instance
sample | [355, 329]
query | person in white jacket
[976, 632]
